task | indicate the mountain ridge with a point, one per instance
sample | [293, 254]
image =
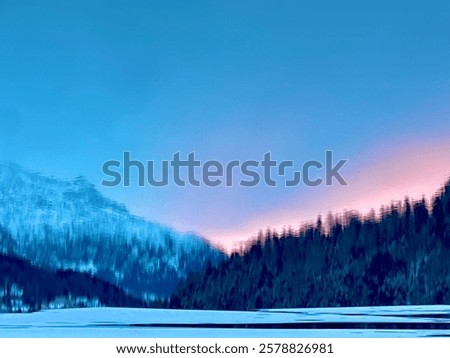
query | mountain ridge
[69, 224]
[399, 258]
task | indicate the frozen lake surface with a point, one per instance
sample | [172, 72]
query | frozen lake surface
[401, 321]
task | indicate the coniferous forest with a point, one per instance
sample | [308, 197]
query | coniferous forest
[26, 288]
[400, 256]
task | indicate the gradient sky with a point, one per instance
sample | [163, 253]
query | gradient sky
[81, 82]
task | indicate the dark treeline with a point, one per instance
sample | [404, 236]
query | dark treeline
[400, 257]
[24, 287]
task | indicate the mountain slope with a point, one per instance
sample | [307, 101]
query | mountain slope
[70, 225]
[25, 288]
[401, 258]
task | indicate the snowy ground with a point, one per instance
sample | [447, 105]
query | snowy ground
[404, 321]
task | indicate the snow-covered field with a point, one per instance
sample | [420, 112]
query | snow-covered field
[404, 321]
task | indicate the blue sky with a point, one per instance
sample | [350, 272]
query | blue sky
[80, 82]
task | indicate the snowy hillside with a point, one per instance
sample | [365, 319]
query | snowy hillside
[71, 225]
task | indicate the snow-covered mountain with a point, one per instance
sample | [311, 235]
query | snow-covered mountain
[71, 225]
